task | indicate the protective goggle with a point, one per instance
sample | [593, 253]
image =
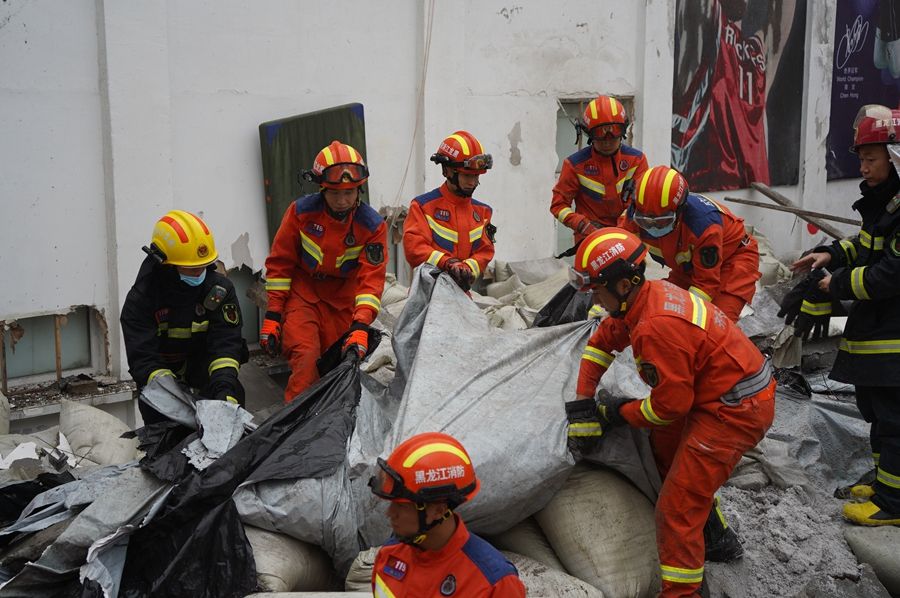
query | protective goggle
[344, 173]
[655, 226]
[479, 162]
[581, 282]
[389, 485]
[608, 130]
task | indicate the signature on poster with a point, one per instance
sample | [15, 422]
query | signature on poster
[852, 41]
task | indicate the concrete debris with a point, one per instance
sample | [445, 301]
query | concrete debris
[880, 548]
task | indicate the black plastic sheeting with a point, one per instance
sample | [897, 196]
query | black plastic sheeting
[14, 497]
[196, 546]
[567, 305]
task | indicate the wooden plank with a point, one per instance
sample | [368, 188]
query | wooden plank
[795, 211]
[784, 201]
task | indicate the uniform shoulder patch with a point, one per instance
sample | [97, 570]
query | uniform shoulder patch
[231, 314]
[709, 256]
[649, 374]
[375, 253]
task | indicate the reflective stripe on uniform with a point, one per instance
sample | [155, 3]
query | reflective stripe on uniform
[888, 479]
[381, 589]
[650, 415]
[159, 372]
[870, 347]
[591, 184]
[597, 356]
[351, 253]
[876, 457]
[278, 284]
[698, 316]
[311, 248]
[596, 311]
[179, 333]
[564, 213]
[369, 301]
[442, 231]
[870, 242]
[184, 332]
[628, 175]
[857, 283]
[815, 309]
[849, 250]
[700, 293]
[476, 233]
[200, 326]
[585, 429]
[681, 575]
[223, 362]
[476, 269]
[435, 257]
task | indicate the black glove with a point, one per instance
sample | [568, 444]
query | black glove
[815, 314]
[584, 430]
[793, 301]
[608, 408]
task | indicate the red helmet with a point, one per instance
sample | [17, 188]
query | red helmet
[875, 124]
[463, 152]
[607, 115]
[606, 256]
[426, 468]
[659, 192]
[338, 166]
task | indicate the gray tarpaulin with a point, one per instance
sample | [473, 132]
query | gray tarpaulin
[501, 393]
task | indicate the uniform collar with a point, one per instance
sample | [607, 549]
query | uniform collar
[453, 546]
[633, 314]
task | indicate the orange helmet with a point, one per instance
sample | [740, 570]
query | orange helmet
[463, 152]
[659, 193]
[338, 166]
[606, 256]
[604, 116]
[182, 239]
[875, 124]
[429, 467]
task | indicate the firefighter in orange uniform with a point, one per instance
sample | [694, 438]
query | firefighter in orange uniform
[598, 178]
[712, 391]
[325, 273]
[431, 553]
[706, 246]
[447, 227]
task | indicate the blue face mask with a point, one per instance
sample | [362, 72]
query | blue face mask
[661, 231]
[194, 281]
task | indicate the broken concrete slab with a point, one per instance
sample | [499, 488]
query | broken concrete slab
[880, 548]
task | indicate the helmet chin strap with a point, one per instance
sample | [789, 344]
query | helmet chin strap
[637, 279]
[424, 527]
[459, 190]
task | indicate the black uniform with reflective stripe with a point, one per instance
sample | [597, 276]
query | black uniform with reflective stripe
[870, 348]
[166, 326]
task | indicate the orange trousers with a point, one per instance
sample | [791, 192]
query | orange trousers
[695, 456]
[308, 330]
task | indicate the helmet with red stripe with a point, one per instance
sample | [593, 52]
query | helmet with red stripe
[464, 152]
[183, 239]
[659, 193]
[338, 166]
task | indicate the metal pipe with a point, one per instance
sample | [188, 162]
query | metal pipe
[795, 211]
[58, 338]
[784, 201]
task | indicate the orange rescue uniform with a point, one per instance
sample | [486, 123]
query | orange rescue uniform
[321, 275]
[595, 184]
[709, 253]
[466, 566]
[442, 225]
[712, 399]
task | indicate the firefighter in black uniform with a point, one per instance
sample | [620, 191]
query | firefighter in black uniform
[182, 318]
[866, 269]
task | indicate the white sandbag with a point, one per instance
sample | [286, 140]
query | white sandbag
[534, 271]
[603, 531]
[4, 414]
[393, 292]
[537, 295]
[544, 582]
[285, 564]
[500, 289]
[770, 267]
[506, 318]
[359, 578]
[879, 547]
[527, 539]
[483, 301]
[94, 435]
[500, 270]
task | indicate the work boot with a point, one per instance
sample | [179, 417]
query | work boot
[868, 513]
[864, 491]
[722, 543]
[867, 479]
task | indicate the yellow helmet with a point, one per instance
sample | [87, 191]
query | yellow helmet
[184, 240]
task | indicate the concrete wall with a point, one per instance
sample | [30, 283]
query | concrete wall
[115, 112]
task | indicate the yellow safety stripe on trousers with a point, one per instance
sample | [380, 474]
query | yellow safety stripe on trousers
[580, 430]
[564, 213]
[476, 233]
[311, 248]
[591, 184]
[369, 301]
[876, 457]
[435, 257]
[442, 231]
[278, 284]
[159, 372]
[888, 479]
[815, 309]
[699, 292]
[870, 347]
[650, 415]
[476, 269]
[849, 250]
[597, 356]
[223, 362]
[351, 253]
[681, 575]
[628, 175]
[698, 316]
[719, 512]
[870, 242]
[381, 589]
[857, 282]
